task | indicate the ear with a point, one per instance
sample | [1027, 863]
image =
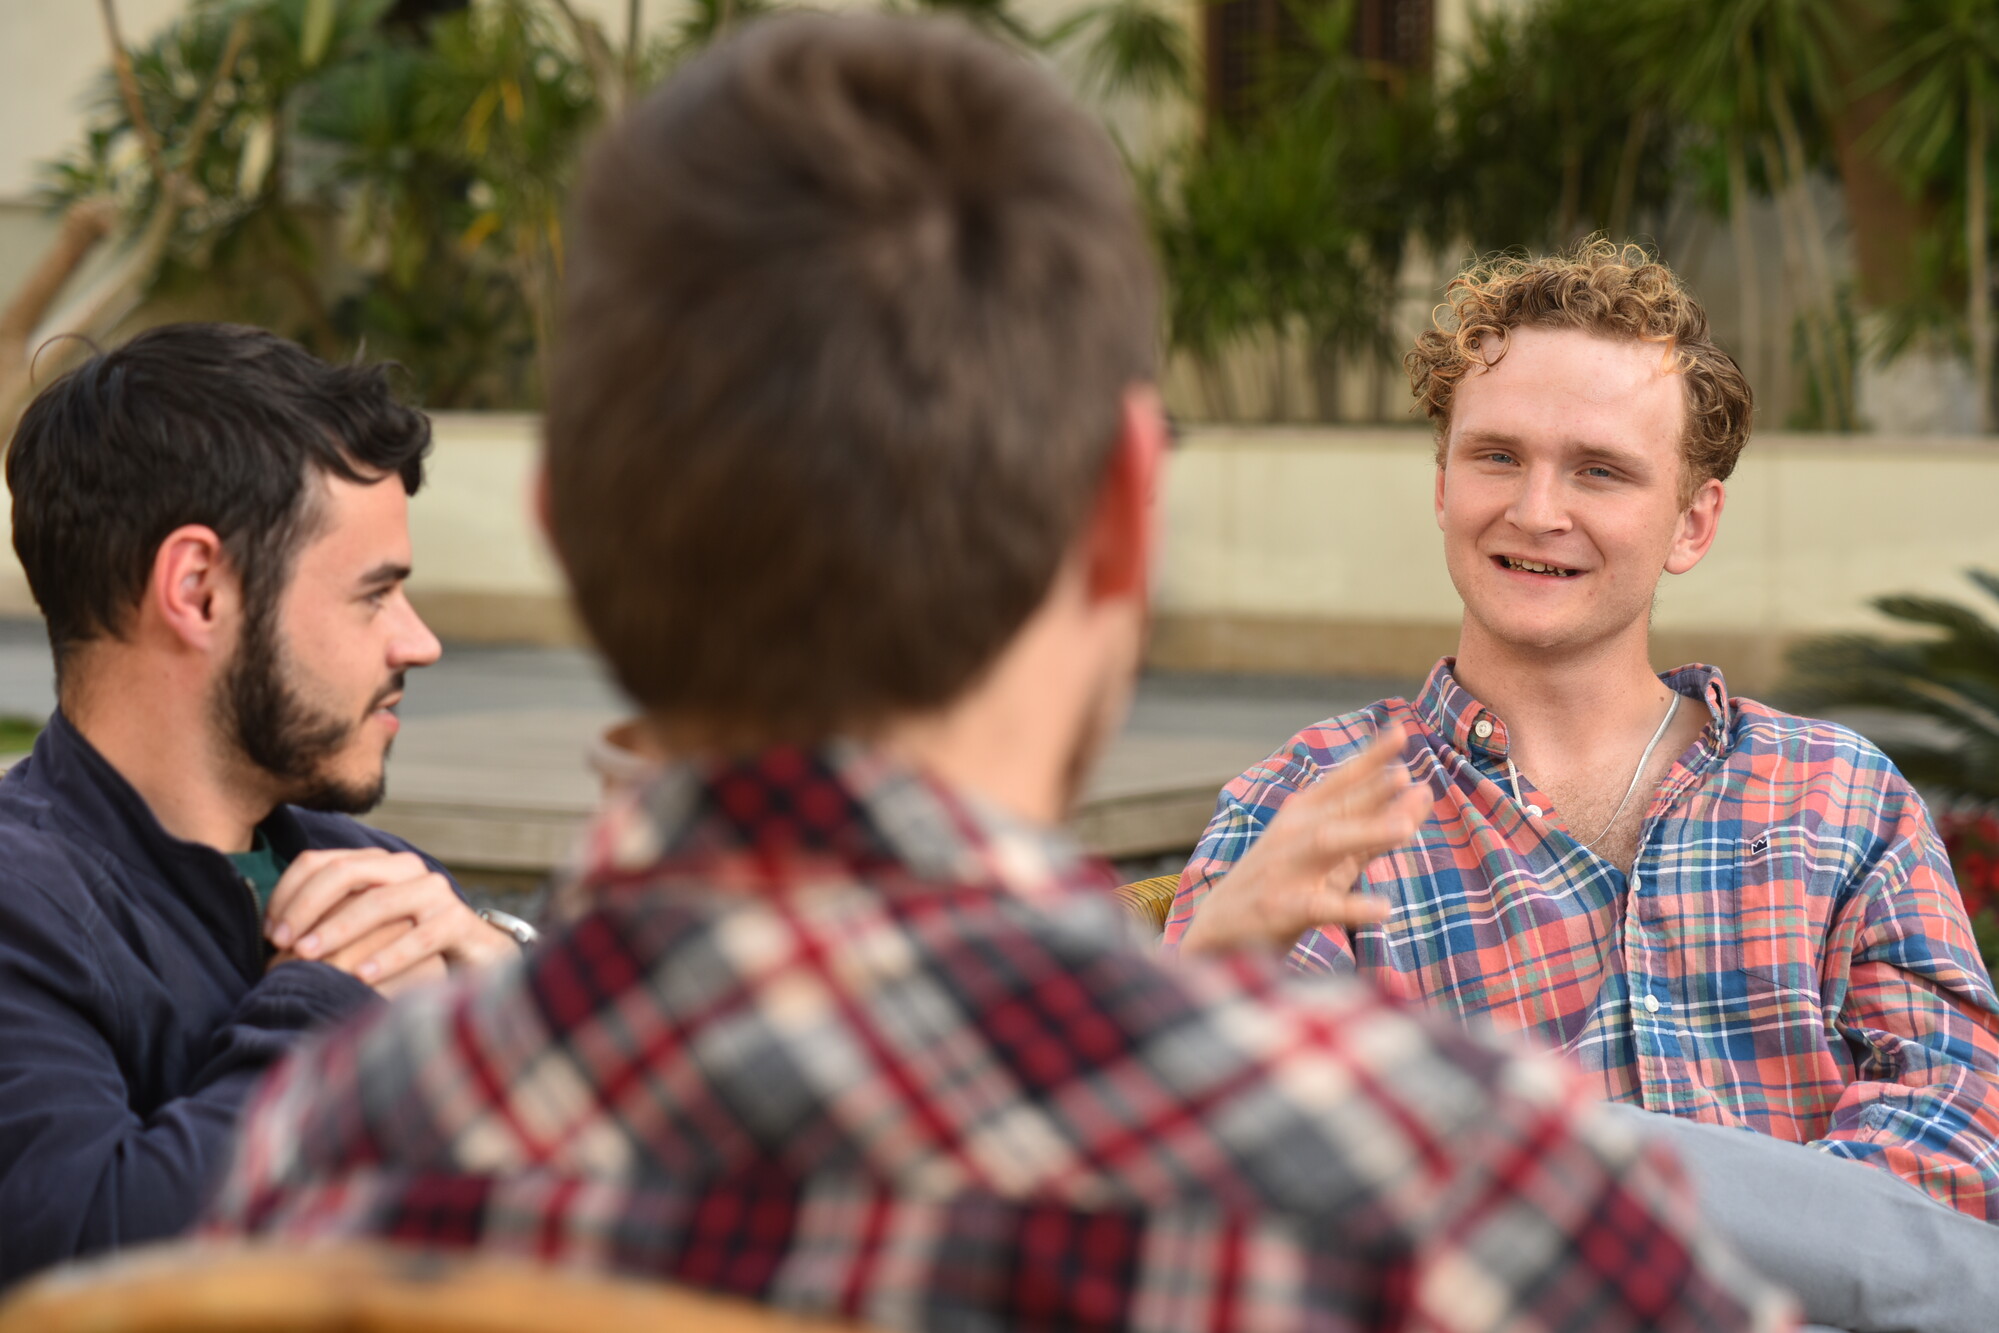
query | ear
[194, 592]
[1437, 498]
[1698, 524]
[1123, 527]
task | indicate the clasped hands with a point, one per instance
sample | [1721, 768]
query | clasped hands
[383, 917]
[1301, 873]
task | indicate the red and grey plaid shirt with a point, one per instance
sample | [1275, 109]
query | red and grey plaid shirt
[1789, 953]
[825, 1034]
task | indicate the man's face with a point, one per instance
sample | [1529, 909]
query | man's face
[310, 693]
[1559, 498]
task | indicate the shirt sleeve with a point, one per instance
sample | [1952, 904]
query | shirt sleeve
[1922, 1023]
[81, 1171]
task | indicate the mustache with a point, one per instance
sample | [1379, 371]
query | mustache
[386, 693]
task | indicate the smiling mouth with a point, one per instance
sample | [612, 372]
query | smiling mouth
[1534, 567]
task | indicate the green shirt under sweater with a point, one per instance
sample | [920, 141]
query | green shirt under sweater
[261, 868]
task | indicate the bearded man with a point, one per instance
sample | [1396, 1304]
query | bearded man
[214, 524]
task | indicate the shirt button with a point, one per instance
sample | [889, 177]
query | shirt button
[1482, 728]
[1651, 1004]
[1533, 812]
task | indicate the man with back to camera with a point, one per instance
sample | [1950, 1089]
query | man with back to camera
[851, 450]
[1728, 915]
[214, 525]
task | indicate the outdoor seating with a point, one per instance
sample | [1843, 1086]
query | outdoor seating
[196, 1287]
[1149, 900]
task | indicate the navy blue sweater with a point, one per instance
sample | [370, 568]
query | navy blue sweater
[135, 1011]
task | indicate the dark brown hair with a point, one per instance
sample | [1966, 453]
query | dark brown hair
[1611, 290]
[218, 424]
[851, 309]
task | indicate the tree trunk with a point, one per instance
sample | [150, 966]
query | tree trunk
[1619, 223]
[1836, 363]
[85, 224]
[1978, 257]
[1326, 381]
[1217, 394]
[1749, 282]
[1279, 406]
[1569, 213]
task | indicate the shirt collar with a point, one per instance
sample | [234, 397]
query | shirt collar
[1450, 711]
[792, 815]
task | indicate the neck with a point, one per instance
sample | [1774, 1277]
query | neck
[156, 731]
[1020, 738]
[1563, 703]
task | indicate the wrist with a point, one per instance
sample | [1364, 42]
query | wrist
[517, 932]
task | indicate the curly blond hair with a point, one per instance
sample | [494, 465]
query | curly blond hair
[1602, 288]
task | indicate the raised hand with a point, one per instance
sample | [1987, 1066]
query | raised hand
[1301, 873]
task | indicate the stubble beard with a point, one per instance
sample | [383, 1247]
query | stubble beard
[283, 734]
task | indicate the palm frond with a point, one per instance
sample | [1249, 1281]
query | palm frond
[1949, 676]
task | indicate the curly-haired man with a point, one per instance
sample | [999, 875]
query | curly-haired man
[1725, 914]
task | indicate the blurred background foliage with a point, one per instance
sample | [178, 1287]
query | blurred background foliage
[1945, 680]
[389, 173]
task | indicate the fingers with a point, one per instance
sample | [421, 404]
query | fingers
[358, 913]
[1300, 873]
[350, 958]
[424, 941]
[425, 973]
[318, 881]
[353, 955]
[1374, 768]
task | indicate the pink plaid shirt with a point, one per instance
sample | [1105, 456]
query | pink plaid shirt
[1789, 953]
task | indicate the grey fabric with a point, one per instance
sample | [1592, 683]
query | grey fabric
[1863, 1251]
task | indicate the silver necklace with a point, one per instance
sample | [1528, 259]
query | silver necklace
[1513, 774]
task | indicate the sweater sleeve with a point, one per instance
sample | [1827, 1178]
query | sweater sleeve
[82, 1171]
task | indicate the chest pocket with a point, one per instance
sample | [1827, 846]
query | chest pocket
[1782, 900]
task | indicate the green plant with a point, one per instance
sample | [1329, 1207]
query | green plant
[1549, 134]
[1945, 68]
[1762, 77]
[17, 734]
[1948, 676]
[1294, 224]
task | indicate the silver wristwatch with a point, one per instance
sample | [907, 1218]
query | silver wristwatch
[523, 934]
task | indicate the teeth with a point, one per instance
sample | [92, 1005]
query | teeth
[1536, 567]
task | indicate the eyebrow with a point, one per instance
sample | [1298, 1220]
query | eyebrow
[1626, 458]
[384, 575]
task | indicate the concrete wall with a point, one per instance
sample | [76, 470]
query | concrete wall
[1313, 551]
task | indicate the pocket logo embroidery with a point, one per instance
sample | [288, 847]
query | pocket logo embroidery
[1760, 845]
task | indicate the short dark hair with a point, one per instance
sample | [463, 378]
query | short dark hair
[216, 424]
[851, 310]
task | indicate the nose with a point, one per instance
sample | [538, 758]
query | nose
[413, 645]
[1539, 505]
